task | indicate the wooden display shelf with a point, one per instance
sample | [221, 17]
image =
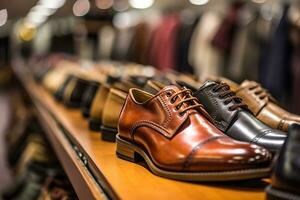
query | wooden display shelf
[97, 173]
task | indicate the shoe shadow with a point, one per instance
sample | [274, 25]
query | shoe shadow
[252, 185]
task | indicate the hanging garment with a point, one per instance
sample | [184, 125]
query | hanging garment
[204, 57]
[225, 34]
[106, 38]
[245, 52]
[187, 26]
[163, 43]
[275, 74]
[140, 41]
[223, 38]
[122, 43]
[296, 74]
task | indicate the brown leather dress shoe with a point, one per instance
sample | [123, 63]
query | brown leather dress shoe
[171, 131]
[263, 105]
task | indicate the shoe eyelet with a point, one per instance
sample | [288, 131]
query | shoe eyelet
[172, 101]
[181, 114]
[168, 94]
[230, 109]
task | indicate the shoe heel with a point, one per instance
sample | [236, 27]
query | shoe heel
[125, 150]
[108, 134]
[94, 125]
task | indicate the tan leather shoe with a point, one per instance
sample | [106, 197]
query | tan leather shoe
[97, 107]
[112, 109]
[171, 131]
[263, 105]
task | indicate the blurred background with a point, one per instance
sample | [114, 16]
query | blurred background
[238, 39]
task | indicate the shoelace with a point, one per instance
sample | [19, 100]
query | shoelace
[229, 96]
[260, 92]
[188, 99]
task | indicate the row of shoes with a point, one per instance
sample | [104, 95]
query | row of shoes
[36, 172]
[183, 128]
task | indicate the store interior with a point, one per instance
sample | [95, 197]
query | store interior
[149, 99]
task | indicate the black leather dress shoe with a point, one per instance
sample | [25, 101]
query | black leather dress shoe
[88, 97]
[111, 79]
[74, 91]
[231, 116]
[286, 174]
[139, 80]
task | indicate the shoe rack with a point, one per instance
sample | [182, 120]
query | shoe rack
[95, 171]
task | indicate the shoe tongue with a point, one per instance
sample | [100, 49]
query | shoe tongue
[171, 87]
[175, 89]
[207, 84]
[246, 83]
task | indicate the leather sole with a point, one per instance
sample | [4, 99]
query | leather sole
[275, 194]
[94, 125]
[108, 134]
[130, 152]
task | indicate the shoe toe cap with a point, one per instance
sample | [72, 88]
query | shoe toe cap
[272, 141]
[226, 155]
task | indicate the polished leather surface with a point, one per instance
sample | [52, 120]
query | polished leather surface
[264, 106]
[237, 123]
[112, 107]
[98, 103]
[140, 81]
[286, 171]
[114, 103]
[73, 93]
[216, 106]
[248, 128]
[88, 97]
[181, 138]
